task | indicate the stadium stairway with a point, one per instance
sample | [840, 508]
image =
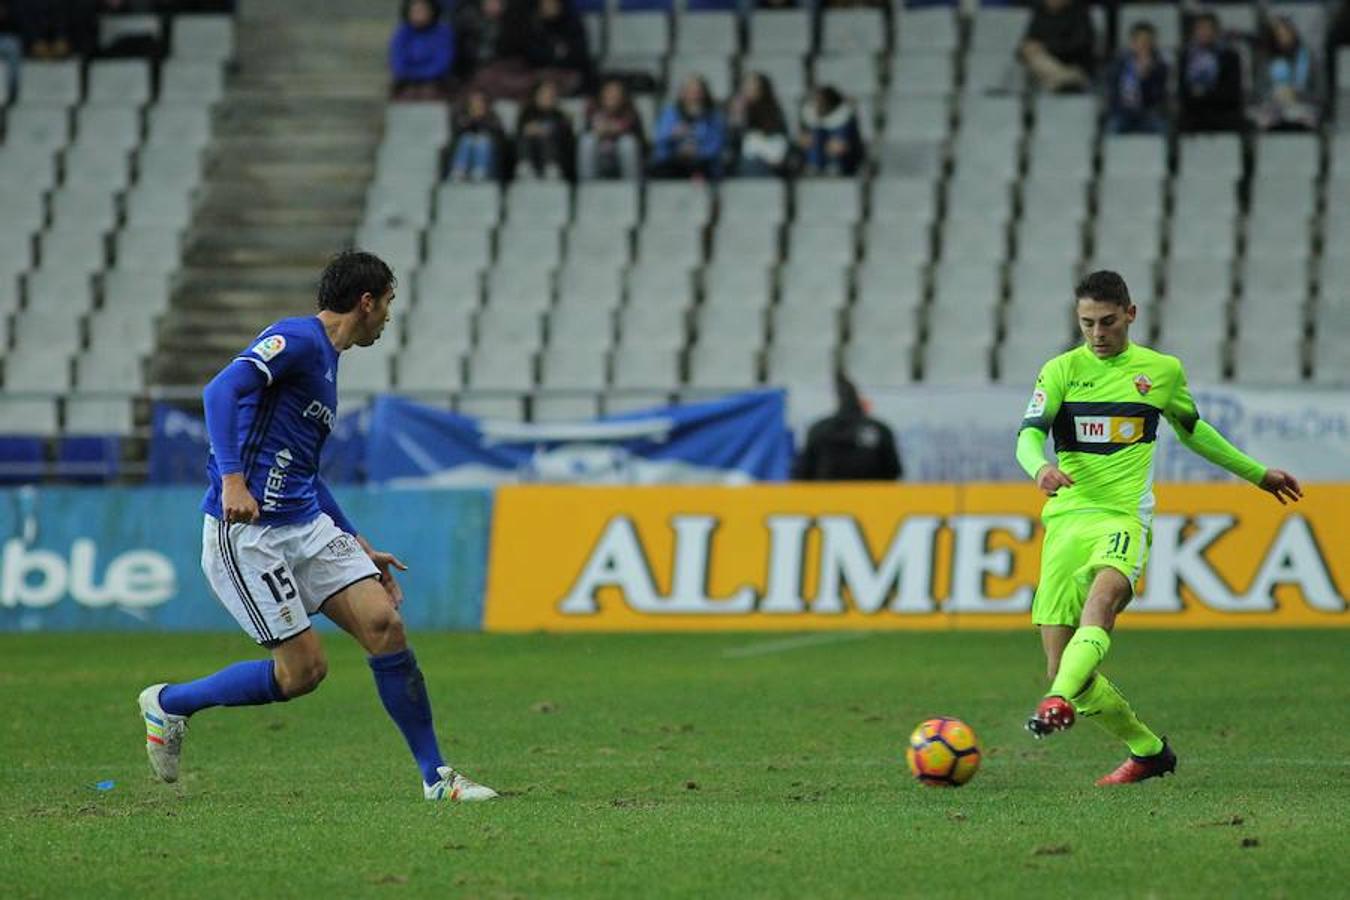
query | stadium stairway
[293, 150]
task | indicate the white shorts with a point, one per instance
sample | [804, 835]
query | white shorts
[272, 578]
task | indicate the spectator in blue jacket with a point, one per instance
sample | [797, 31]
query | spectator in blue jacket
[690, 135]
[421, 53]
[1286, 89]
[1137, 86]
[830, 136]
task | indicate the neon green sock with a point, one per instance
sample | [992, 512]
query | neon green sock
[1085, 652]
[1104, 704]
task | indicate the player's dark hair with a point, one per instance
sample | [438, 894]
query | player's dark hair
[1105, 287]
[1144, 27]
[349, 275]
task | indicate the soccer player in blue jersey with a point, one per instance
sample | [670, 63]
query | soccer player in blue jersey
[276, 547]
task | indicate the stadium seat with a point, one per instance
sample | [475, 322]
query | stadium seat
[678, 203]
[494, 404]
[98, 415]
[974, 237]
[805, 282]
[998, 30]
[146, 204]
[907, 240]
[655, 283]
[1201, 353]
[578, 367]
[522, 286]
[708, 31]
[366, 372]
[469, 246]
[564, 407]
[853, 31]
[922, 74]
[119, 82]
[644, 366]
[1136, 155]
[733, 283]
[178, 124]
[187, 81]
[108, 370]
[638, 41]
[855, 76]
[50, 84]
[82, 209]
[1210, 156]
[34, 368]
[1287, 156]
[751, 242]
[781, 32]
[468, 204]
[38, 127]
[203, 38]
[609, 202]
[715, 69]
[539, 203]
[878, 362]
[723, 365]
[28, 415]
[826, 244]
[679, 246]
[917, 117]
[1166, 21]
[1052, 154]
[802, 323]
[523, 242]
[604, 245]
[747, 201]
[790, 365]
[980, 191]
[429, 371]
[932, 28]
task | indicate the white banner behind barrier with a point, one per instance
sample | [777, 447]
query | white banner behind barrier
[969, 434]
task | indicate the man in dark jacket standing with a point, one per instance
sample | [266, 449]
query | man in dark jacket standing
[1058, 46]
[849, 445]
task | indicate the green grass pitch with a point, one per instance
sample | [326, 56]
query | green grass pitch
[646, 766]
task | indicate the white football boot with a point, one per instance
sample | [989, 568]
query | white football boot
[163, 734]
[454, 786]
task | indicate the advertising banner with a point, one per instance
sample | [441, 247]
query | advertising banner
[949, 434]
[881, 556]
[179, 446]
[731, 440]
[129, 558]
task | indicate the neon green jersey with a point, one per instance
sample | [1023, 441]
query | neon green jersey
[1104, 416]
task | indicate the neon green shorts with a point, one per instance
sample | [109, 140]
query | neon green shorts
[1076, 547]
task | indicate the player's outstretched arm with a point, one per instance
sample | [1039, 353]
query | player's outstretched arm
[1283, 486]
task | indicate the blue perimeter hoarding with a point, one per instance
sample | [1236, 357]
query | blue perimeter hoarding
[99, 559]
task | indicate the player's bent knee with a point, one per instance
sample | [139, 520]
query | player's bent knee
[296, 681]
[385, 632]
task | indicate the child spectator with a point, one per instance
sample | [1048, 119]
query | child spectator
[611, 146]
[830, 135]
[421, 53]
[1211, 80]
[555, 46]
[1137, 86]
[476, 151]
[1057, 46]
[690, 135]
[759, 131]
[1288, 100]
[545, 142]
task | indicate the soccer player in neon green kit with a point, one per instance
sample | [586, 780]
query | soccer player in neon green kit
[1102, 401]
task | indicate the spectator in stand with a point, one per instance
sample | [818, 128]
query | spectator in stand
[11, 51]
[611, 145]
[830, 136]
[555, 47]
[545, 142]
[690, 135]
[476, 150]
[1211, 80]
[1057, 48]
[421, 53]
[490, 42]
[1288, 100]
[759, 133]
[849, 445]
[1137, 86]
[57, 29]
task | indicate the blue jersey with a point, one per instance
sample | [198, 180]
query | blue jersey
[282, 427]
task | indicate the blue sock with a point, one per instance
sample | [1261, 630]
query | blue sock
[404, 694]
[242, 684]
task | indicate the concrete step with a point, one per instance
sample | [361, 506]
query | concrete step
[298, 109]
[315, 174]
[304, 246]
[329, 147]
[361, 82]
[252, 191]
[232, 215]
[195, 280]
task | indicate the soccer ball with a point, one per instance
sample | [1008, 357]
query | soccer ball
[943, 752]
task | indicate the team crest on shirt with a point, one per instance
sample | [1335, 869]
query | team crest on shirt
[269, 347]
[1142, 384]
